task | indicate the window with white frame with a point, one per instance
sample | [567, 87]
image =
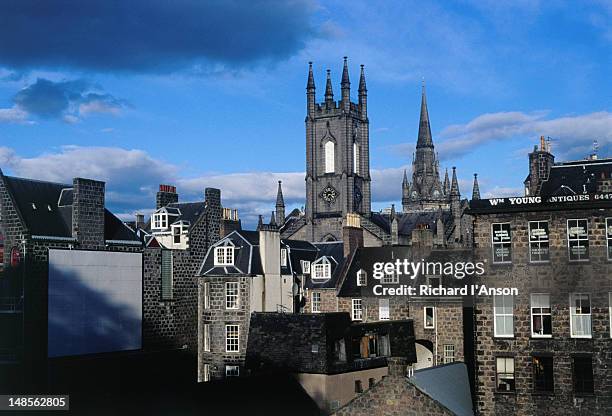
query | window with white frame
[449, 353]
[390, 278]
[232, 338]
[231, 295]
[503, 311]
[283, 257]
[315, 302]
[305, 266]
[232, 371]
[321, 270]
[224, 256]
[362, 278]
[609, 237]
[539, 250]
[206, 372]
[504, 371]
[429, 317]
[330, 149]
[383, 309]
[160, 221]
[356, 157]
[501, 238]
[207, 337]
[541, 319]
[356, 310]
[578, 239]
[580, 315]
[206, 288]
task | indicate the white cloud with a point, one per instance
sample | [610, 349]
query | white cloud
[13, 115]
[572, 135]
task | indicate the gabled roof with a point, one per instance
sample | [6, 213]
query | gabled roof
[333, 252]
[575, 178]
[46, 208]
[182, 211]
[247, 261]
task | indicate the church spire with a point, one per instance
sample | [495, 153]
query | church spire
[329, 92]
[280, 206]
[454, 191]
[345, 75]
[424, 139]
[476, 189]
[310, 92]
[310, 85]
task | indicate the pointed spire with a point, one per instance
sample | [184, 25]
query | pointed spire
[280, 201]
[454, 191]
[362, 82]
[329, 92]
[424, 138]
[310, 85]
[392, 212]
[345, 75]
[476, 188]
[273, 219]
[446, 183]
[260, 222]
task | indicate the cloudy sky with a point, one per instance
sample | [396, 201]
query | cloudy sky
[212, 93]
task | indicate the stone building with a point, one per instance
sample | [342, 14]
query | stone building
[55, 234]
[338, 179]
[170, 288]
[334, 358]
[545, 348]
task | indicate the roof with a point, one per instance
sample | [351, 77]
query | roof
[447, 384]
[247, 259]
[577, 177]
[46, 209]
[407, 222]
[333, 252]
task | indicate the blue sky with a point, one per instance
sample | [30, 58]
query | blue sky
[213, 94]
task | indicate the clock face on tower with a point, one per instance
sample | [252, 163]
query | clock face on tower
[329, 194]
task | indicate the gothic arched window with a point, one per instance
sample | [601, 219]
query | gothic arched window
[330, 149]
[356, 157]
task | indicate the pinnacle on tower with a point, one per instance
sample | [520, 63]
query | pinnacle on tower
[424, 138]
[446, 183]
[280, 206]
[280, 201]
[454, 191]
[476, 188]
[345, 75]
[260, 223]
[273, 219]
[310, 85]
[329, 92]
[362, 82]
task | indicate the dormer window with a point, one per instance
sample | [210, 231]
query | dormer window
[224, 256]
[160, 221]
[321, 270]
[362, 278]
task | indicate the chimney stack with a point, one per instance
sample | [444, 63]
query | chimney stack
[166, 195]
[352, 233]
[88, 213]
[140, 221]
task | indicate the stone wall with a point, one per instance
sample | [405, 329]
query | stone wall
[88, 213]
[217, 316]
[559, 278]
[329, 301]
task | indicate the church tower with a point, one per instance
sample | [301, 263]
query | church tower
[426, 191]
[337, 156]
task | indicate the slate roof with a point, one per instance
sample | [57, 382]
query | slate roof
[46, 208]
[247, 261]
[571, 178]
[447, 384]
[334, 252]
[407, 222]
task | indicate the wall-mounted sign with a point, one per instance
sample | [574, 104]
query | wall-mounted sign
[15, 257]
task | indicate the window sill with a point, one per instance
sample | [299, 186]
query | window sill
[537, 337]
[503, 337]
[581, 336]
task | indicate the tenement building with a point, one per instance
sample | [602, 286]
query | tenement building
[545, 348]
[338, 178]
[72, 279]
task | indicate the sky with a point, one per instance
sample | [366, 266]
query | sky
[212, 94]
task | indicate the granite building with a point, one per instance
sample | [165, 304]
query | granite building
[545, 349]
